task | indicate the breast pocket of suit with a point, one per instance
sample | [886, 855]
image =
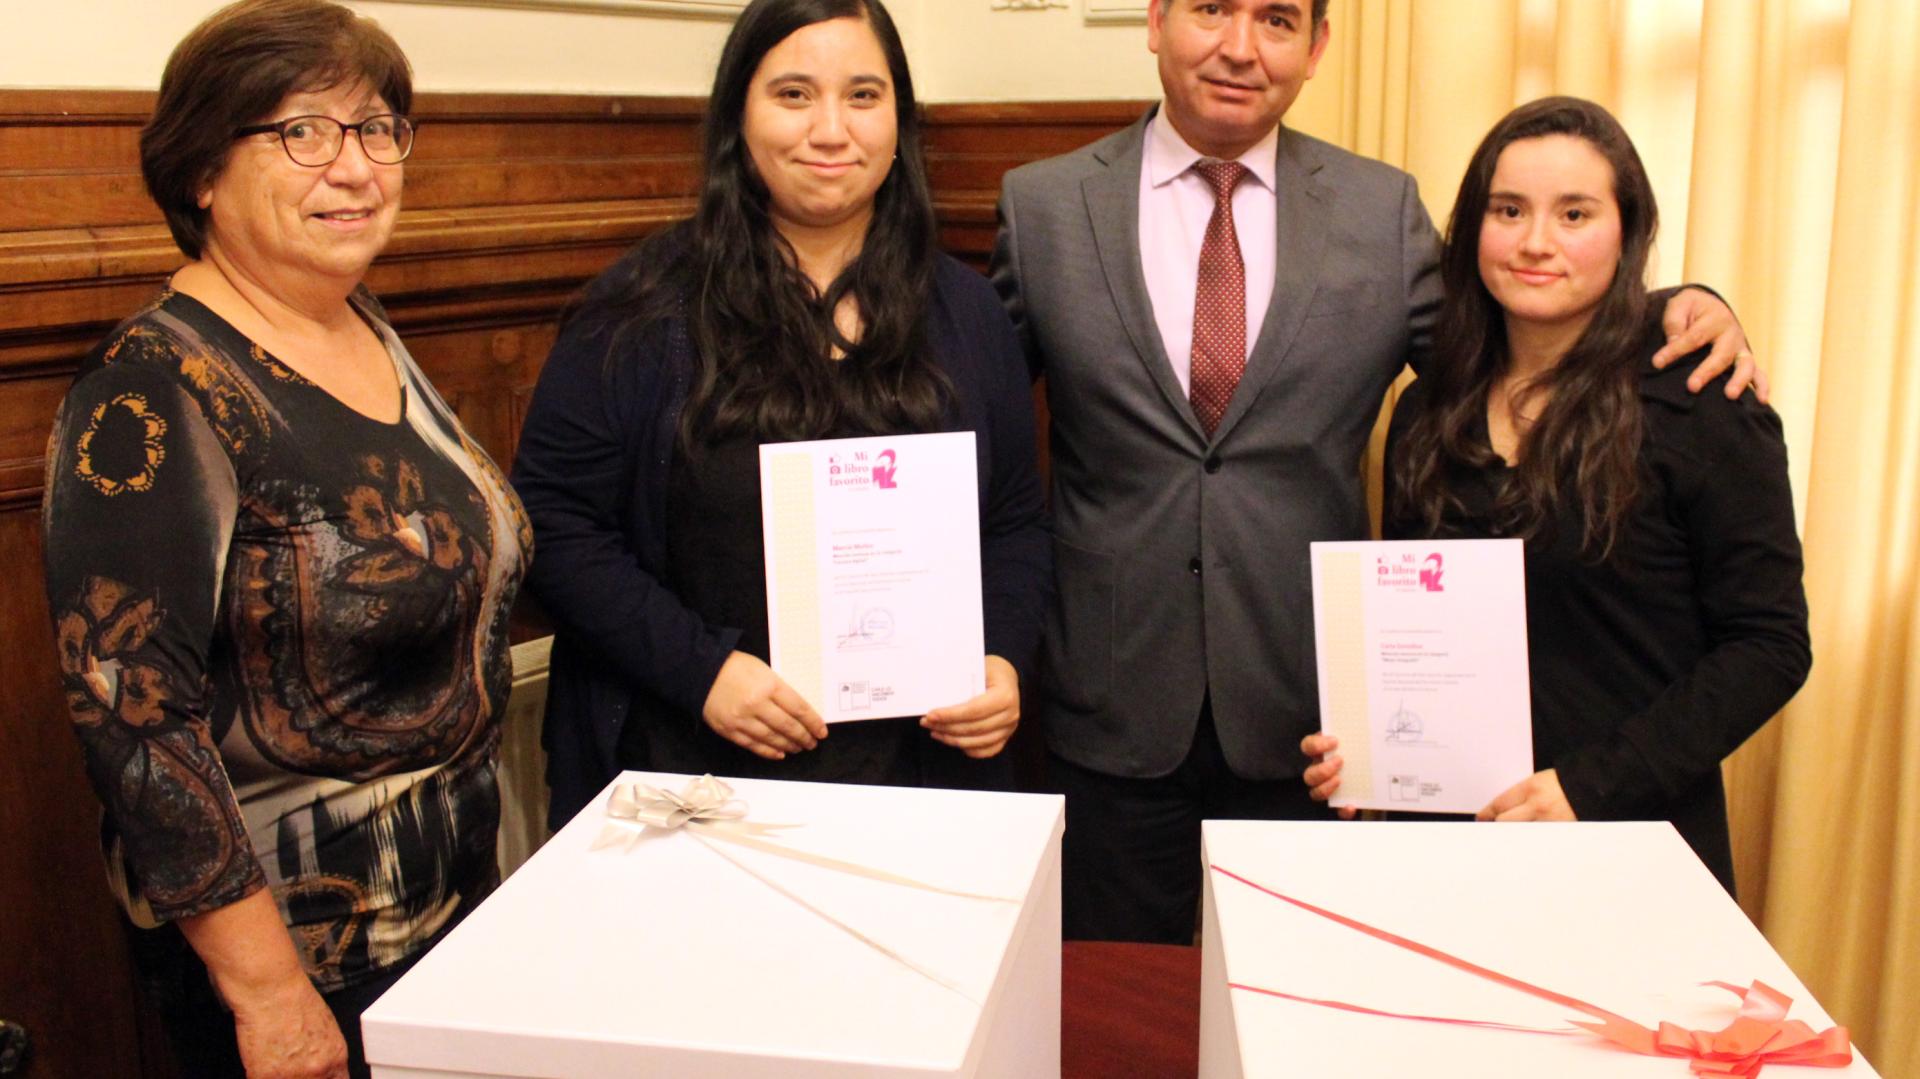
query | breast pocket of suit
[1343, 298]
[1077, 655]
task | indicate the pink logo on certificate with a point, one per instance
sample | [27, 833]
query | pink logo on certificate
[1430, 571]
[883, 471]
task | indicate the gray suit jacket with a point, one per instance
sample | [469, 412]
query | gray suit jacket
[1181, 562]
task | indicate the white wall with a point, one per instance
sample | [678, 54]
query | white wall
[123, 44]
[962, 50]
[478, 48]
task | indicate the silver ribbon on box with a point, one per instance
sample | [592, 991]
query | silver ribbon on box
[705, 799]
[707, 810]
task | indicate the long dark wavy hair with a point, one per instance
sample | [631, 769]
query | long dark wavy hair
[1583, 450]
[763, 333]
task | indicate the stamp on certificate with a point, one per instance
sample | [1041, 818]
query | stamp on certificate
[1410, 789]
[855, 697]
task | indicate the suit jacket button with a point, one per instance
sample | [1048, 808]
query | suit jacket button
[1213, 464]
[1193, 566]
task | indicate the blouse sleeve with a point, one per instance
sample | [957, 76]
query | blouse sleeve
[1733, 498]
[576, 474]
[139, 511]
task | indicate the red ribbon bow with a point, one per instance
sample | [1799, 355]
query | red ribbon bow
[1760, 1035]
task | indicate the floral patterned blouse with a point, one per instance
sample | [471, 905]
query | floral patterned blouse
[282, 628]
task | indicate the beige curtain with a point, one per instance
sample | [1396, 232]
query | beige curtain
[1783, 137]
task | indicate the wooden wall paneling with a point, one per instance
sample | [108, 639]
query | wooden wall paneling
[512, 202]
[27, 405]
[486, 372]
[64, 972]
[970, 146]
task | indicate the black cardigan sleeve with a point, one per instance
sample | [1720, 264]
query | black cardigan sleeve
[1016, 549]
[1732, 495]
[581, 470]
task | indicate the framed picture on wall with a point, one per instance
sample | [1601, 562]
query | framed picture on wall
[697, 9]
[1117, 10]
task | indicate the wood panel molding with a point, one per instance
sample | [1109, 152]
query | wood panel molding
[513, 201]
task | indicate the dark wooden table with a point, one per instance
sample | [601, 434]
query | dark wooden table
[1129, 1010]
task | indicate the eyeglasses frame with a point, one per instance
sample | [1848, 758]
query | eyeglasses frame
[279, 128]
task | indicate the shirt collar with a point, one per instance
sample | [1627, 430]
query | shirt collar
[1168, 155]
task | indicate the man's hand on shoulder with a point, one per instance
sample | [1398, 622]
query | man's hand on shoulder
[1695, 318]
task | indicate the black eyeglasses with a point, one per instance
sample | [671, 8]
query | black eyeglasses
[315, 141]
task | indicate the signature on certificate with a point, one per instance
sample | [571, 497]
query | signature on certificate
[866, 629]
[1404, 726]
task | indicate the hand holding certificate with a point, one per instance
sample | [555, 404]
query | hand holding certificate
[873, 573]
[980, 727]
[1422, 652]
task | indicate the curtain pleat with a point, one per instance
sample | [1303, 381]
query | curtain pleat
[1843, 895]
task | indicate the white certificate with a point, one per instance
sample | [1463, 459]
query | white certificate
[1422, 652]
[873, 572]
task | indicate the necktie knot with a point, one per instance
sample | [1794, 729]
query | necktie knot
[1222, 176]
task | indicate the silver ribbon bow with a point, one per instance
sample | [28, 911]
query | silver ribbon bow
[706, 809]
[635, 807]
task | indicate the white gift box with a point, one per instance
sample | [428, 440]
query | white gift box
[665, 958]
[1620, 915]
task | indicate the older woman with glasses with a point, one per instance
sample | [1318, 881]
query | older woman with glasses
[279, 570]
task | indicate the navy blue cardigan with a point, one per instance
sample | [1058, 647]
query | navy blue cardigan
[592, 469]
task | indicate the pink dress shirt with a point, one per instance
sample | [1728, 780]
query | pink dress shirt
[1175, 205]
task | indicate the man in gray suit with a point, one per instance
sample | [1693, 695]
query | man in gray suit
[1218, 305]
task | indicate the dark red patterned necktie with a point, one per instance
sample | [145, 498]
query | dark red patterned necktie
[1219, 302]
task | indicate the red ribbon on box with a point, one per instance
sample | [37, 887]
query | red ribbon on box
[1760, 1035]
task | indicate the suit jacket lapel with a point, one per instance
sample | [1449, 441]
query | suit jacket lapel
[1301, 214]
[1113, 206]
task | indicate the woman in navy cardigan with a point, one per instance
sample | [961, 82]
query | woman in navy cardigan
[805, 299]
